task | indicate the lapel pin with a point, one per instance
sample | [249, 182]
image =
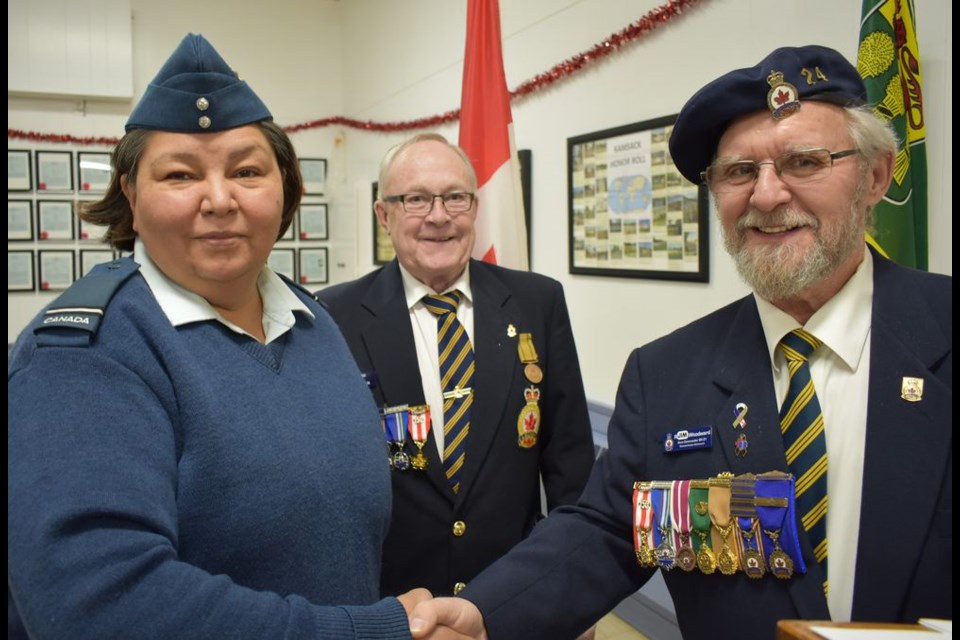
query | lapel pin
[741, 444]
[740, 411]
[911, 389]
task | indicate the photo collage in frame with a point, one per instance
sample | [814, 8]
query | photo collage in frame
[301, 253]
[49, 247]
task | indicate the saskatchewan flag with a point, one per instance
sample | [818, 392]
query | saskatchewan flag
[888, 60]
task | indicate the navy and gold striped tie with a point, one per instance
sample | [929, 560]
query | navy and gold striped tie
[456, 379]
[801, 423]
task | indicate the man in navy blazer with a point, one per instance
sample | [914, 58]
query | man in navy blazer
[795, 163]
[528, 417]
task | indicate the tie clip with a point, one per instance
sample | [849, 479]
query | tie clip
[457, 393]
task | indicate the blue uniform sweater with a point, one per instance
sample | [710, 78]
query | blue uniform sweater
[193, 483]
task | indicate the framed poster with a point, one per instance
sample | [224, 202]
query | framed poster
[313, 221]
[55, 220]
[314, 172]
[56, 269]
[19, 173]
[89, 258]
[382, 244]
[55, 171]
[93, 171]
[20, 274]
[631, 213]
[313, 266]
[19, 220]
[283, 261]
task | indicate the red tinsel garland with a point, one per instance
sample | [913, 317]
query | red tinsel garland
[653, 19]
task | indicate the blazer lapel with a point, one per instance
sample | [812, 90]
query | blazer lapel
[743, 370]
[390, 347]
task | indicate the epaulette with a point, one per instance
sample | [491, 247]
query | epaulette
[73, 318]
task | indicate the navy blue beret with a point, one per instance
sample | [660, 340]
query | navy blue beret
[196, 91]
[779, 83]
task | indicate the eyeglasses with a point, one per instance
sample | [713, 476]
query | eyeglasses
[420, 204]
[797, 167]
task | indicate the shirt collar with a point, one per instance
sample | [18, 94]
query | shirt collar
[183, 307]
[842, 324]
[414, 290]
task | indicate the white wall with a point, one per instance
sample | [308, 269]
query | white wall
[388, 61]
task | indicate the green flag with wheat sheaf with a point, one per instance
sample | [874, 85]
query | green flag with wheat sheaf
[888, 60]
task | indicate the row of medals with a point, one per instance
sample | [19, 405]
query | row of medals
[751, 559]
[400, 460]
[751, 562]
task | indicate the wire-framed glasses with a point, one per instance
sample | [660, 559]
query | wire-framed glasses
[420, 204]
[794, 168]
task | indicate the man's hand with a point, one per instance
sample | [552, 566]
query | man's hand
[412, 598]
[447, 619]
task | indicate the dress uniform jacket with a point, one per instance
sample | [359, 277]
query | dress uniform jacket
[696, 376]
[438, 539]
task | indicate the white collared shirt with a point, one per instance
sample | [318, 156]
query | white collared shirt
[424, 325]
[183, 307]
[841, 374]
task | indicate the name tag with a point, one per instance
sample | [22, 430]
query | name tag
[688, 439]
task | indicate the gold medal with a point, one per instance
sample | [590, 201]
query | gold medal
[727, 561]
[706, 561]
[419, 427]
[528, 422]
[419, 461]
[533, 373]
[645, 554]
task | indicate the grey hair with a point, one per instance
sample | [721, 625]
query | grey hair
[387, 163]
[873, 136]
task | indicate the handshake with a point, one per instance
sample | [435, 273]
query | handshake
[448, 618]
[442, 618]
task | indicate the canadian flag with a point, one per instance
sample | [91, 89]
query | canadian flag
[486, 135]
